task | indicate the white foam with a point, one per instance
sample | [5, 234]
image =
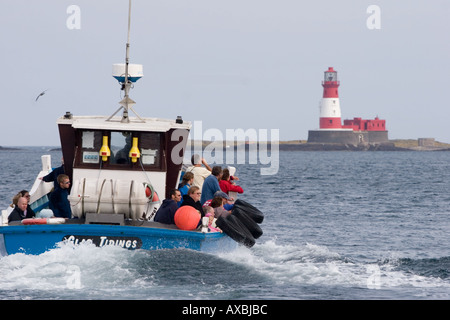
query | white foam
[311, 264]
[69, 267]
[88, 272]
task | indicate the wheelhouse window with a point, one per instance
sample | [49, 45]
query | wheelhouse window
[149, 144]
[91, 142]
[151, 147]
[121, 143]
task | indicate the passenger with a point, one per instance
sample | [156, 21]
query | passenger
[219, 194]
[219, 210]
[59, 203]
[200, 173]
[228, 202]
[211, 184]
[208, 209]
[227, 184]
[53, 175]
[186, 183]
[25, 194]
[166, 212]
[192, 198]
[209, 212]
[20, 211]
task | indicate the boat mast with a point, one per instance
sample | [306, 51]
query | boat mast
[127, 103]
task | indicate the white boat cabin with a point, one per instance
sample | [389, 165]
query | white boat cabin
[117, 167]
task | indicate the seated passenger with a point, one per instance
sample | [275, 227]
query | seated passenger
[209, 213]
[59, 202]
[166, 212]
[227, 185]
[193, 199]
[228, 202]
[20, 212]
[25, 194]
[186, 183]
[211, 184]
[219, 211]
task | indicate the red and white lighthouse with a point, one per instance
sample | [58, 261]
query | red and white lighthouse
[355, 132]
[330, 110]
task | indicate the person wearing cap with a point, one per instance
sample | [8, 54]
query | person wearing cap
[228, 202]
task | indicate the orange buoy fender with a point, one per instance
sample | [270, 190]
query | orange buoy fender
[187, 218]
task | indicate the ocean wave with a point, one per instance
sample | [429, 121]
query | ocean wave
[430, 267]
[310, 264]
[291, 271]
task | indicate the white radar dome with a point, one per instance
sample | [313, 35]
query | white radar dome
[135, 72]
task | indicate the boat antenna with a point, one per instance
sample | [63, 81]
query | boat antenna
[127, 103]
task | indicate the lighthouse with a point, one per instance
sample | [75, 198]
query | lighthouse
[330, 110]
[356, 131]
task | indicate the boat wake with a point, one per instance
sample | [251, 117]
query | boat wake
[316, 266]
[266, 271]
[83, 271]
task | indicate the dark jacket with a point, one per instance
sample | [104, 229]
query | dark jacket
[166, 212]
[53, 175]
[18, 215]
[188, 201]
[59, 203]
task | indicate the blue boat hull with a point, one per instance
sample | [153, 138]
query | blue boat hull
[36, 239]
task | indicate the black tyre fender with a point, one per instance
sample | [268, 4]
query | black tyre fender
[254, 213]
[249, 223]
[236, 230]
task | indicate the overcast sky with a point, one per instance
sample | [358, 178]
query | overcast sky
[251, 64]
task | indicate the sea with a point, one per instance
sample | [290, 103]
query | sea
[337, 226]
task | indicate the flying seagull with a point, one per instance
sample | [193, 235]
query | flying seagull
[41, 94]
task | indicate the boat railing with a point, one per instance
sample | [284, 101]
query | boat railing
[40, 190]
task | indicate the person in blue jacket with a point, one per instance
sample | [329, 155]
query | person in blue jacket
[211, 184]
[186, 183]
[166, 213]
[59, 202]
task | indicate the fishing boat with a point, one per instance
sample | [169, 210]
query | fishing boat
[120, 168]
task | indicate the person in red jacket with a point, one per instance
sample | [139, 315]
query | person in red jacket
[227, 185]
